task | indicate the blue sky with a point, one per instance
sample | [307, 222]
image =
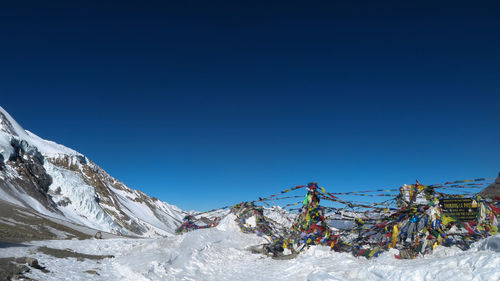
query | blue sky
[205, 104]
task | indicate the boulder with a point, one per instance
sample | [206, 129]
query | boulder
[93, 272]
[34, 264]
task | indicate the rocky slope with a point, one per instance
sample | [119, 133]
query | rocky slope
[493, 190]
[64, 185]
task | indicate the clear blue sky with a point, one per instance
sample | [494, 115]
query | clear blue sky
[205, 104]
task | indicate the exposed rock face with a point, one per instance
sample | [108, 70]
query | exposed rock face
[24, 172]
[493, 190]
[59, 182]
[12, 268]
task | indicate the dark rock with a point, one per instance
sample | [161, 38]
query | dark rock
[92, 272]
[71, 254]
[23, 147]
[9, 269]
[34, 263]
[31, 178]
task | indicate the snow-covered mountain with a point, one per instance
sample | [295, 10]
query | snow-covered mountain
[60, 183]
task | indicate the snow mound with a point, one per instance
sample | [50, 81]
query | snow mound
[491, 244]
[198, 255]
[212, 254]
[228, 223]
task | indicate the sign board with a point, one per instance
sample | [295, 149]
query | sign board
[461, 209]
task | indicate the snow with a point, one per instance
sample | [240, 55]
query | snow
[19, 198]
[8, 222]
[10, 128]
[7, 195]
[280, 215]
[6, 149]
[219, 213]
[50, 148]
[148, 218]
[221, 253]
[81, 228]
[78, 201]
[491, 244]
[251, 222]
[83, 209]
[59, 234]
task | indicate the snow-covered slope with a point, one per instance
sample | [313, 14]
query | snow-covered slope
[280, 216]
[10, 128]
[221, 254]
[60, 182]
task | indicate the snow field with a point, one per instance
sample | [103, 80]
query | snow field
[220, 254]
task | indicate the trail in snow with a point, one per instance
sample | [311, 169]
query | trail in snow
[220, 254]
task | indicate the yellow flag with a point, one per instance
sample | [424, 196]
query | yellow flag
[372, 252]
[395, 234]
[493, 229]
[446, 220]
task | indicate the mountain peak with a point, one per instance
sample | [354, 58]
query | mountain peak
[9, 125]
[10, 128]
[59, 182]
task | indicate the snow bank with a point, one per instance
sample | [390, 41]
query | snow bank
[199, 255]
[220, 254]
[491, 244]
[228, 223]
